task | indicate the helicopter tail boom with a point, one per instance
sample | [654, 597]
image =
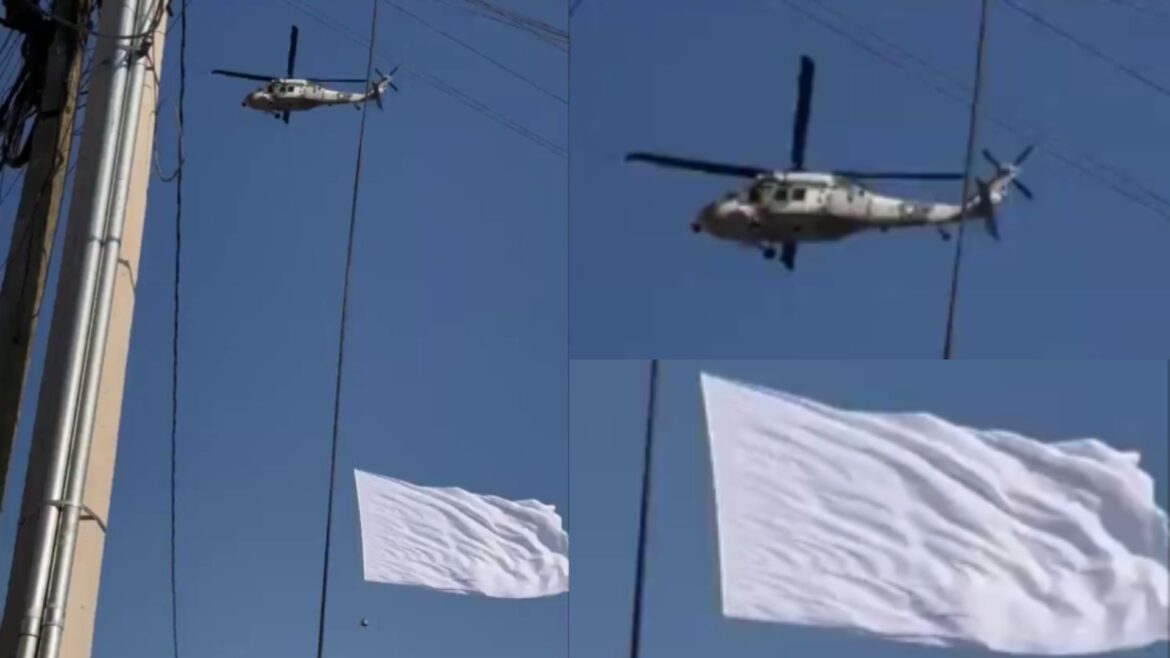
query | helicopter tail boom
[985, 205]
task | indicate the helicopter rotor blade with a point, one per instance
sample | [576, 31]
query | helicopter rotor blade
[292, 50]
[901, 175]
[353, 80]
[1022, 188]
[245, 76]
[804, 85]
[991, 159]
[704, 166]
[1024, 154]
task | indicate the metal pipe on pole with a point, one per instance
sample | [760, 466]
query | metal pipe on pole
[53, 623]
[61, 471]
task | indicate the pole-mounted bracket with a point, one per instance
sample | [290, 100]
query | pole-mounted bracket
[87, 514]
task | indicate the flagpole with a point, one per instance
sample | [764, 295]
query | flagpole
[636, 626]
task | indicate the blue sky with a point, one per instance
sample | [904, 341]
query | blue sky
[456, 370]
[1074, 276]
[1121, 402]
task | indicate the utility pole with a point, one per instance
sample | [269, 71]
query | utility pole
[35, 228]
[53, 585]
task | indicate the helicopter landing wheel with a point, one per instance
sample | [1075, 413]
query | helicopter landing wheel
[769, 253]
[696, 227]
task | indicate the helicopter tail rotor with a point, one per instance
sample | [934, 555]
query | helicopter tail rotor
[386, 80]
[1011, 171]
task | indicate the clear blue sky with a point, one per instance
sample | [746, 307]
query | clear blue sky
[1121, 402]
[456, 354]
[1079, 270]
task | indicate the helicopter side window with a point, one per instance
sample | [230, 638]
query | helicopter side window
[798, 194]
[781, 194]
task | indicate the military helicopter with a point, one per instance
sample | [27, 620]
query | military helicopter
[285, 95]
[788, 207]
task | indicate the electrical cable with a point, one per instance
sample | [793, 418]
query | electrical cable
[512, 18]
[357, 176]
[175, 321]
[1141, 8]
[948, 341]
[643, 517]
[86, 31]
[1089, 48]
[543, 31]
[476, 51]
[24, 237]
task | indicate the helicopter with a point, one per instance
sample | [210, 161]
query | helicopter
[284, 95]
[793, 206]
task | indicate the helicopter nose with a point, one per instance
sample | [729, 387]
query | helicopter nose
[711, 215]
[724, 215]
[722, 210]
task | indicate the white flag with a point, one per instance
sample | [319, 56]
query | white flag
[456, 541]
[908, 527]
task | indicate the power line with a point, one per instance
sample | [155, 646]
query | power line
[1129, 4]
[1073, 161]
[948, 341]
[1089, 48]
[543, 31]
[357, 176]
[435, 82]
[175, 320]
[644, 514]
[483, 109]
[512, 18]
[476, 51]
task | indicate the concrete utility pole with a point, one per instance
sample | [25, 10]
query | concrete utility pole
[57, 559]
[35, 228]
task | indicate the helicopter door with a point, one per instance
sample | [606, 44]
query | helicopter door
[805, 200]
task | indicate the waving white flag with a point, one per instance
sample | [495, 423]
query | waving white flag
[456, 541]
[908, 527]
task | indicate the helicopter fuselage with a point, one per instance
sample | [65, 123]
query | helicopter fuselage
[814, 207]
[287, 95]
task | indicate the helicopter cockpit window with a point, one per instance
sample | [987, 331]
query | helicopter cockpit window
[781, 194]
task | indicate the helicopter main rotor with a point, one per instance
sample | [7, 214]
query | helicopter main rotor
[799, 144]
